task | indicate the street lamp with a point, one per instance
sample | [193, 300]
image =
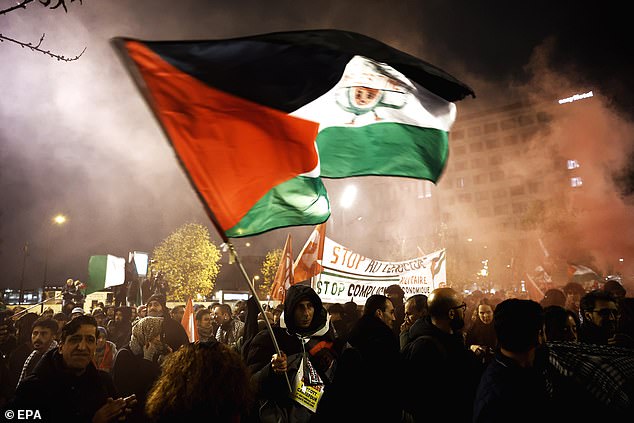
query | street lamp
[58, 220]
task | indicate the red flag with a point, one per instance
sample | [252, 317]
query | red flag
[534, 292]
[189, 322]
[284, 276]
[308, 263]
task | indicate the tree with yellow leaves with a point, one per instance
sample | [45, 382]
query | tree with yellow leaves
[269, 269]
[188, 262]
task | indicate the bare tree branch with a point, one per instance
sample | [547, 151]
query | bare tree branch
[21, 5]
[45, 3]
[38, 49]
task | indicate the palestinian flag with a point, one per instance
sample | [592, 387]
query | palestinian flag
[244, 116]
[104, 271]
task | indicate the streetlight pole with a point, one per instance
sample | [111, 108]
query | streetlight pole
[25, 253]
[58, 220]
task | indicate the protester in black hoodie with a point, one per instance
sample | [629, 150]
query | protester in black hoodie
[306, 340]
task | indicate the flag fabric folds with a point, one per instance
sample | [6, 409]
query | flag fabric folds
[284, 275]
[189, 322]
[247, 116]
[308, 262]
[104, 271]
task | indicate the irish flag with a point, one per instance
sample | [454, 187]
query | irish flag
[247, 117]
[104, 271]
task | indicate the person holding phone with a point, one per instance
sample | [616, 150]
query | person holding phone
[66, 385]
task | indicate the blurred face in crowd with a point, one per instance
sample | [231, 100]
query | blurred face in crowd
[303, 314]
[100, 318]
[178, 313]
[41, 338]
[570, 331]
[142, 311]
[133, 310]
[411, 313]
[387, 315]
[457, 313]
[220, 316]
[101, 341]
[485, 313]
[154, 309]
[205, 321]
[604, 315]
[78, 349]
[118, 316]
[110, 313]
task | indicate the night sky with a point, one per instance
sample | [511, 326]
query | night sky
[76, 138]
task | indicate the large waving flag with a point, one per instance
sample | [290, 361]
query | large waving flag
[308, 262]
[244, 116]
[104, 271]
[284, 275]
[189, 322]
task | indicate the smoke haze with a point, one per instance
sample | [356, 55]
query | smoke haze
[77, 138]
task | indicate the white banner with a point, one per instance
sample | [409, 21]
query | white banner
[349, 276]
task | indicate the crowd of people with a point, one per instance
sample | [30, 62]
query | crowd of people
[482, 357]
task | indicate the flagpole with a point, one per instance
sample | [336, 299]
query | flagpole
[14, 317]
[233, 251]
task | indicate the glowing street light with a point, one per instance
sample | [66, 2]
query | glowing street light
[348, 196]
[58, 220]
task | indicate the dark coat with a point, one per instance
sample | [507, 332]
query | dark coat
[133, 374]
[442, 370]
[317, 342]
[369, 375]
[508, 392]
[61, 396]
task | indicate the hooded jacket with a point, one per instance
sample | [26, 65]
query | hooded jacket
[60, 395]
[317, 342]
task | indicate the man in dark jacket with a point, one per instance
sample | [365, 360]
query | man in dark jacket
[599, 313]
[441, 370]
[307, 345]
[368, 378]
[66, 385]
[514, 380]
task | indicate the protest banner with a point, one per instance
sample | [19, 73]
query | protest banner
[349, 276]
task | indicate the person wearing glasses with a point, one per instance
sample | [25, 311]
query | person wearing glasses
[441, 369]
[599, 313]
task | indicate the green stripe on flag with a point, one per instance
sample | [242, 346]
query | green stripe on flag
[105, 271]
[97, 267]
[298, 201]
[388, 149]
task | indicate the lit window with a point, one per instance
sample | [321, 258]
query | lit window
[576, 182]
[573, 164]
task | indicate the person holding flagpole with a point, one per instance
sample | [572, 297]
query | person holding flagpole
[308, 353]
